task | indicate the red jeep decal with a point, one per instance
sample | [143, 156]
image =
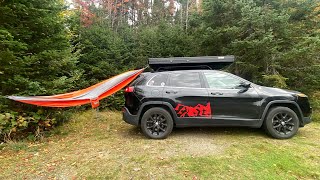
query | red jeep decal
[189, 111]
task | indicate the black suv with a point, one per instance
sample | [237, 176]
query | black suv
[159, 101]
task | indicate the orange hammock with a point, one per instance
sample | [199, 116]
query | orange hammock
[91, 94]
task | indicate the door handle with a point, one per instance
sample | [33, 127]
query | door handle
[173, 92]
[216, 93]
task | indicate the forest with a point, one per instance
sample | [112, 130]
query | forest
[57, 46]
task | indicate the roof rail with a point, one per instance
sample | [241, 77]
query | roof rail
[174, 68]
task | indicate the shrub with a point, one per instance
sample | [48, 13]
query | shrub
[15, 125]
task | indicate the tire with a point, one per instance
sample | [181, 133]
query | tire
[156, 123]
[281, 123]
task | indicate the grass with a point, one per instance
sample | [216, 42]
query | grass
[102, 146]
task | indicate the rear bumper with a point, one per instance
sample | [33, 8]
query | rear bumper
[129, 118]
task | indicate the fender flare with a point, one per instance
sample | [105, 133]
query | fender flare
[159, 103]
[266, 109]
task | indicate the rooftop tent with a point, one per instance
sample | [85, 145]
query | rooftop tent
[185, 63]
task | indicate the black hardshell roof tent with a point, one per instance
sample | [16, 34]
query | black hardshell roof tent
[189, 63]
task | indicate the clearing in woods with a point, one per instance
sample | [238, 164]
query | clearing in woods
[109, 148]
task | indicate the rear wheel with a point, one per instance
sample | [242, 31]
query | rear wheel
[281, 123]
[156, 123]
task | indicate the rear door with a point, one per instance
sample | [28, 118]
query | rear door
[152, 90]
[187, 94]
[148, 88]
[229, 105]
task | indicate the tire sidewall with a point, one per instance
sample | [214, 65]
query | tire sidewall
[168, 118]
[269, 126]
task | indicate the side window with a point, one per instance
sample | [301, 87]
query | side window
[158, 80]
[185, 80]
[218, 80]
[140, 81]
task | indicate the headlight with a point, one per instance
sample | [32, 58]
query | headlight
[301, 95]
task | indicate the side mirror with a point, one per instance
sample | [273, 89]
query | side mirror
[244, 87]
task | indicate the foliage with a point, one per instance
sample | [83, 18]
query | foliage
[35, 56]
[36, 59]
[31, 124]
[272, 43]
[275, 43]
[315, 103]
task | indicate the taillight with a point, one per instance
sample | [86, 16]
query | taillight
[129, 89]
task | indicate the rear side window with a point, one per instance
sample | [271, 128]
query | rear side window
[185, 80]
[141, 81]
[158, 80]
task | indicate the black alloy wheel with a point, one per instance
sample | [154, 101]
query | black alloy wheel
[281, 123]
[156, 123]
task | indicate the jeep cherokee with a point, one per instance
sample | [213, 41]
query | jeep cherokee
[159, 101]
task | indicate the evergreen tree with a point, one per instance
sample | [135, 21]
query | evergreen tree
[35, 51]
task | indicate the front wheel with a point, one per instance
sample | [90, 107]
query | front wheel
[156, 123]
[281, 123]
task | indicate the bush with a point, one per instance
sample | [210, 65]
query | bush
[315, 101]
[114, 102]
[15, 125]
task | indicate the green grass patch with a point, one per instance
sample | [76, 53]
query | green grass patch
[17, 146]
[253, 162]
[102, 146]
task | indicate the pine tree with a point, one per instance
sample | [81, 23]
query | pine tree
[35, 51]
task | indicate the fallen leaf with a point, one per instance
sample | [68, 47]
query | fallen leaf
[136, 169]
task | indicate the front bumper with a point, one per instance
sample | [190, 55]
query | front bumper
[306, 120]
[129, 118]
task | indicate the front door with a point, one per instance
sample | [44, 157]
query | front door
[229, 105]
[187, 94]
